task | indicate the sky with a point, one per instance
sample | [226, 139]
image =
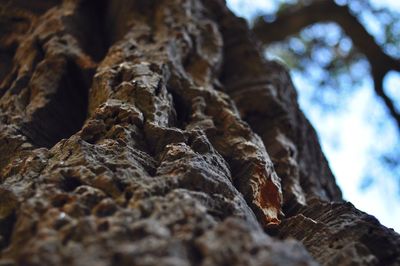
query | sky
[352, 134]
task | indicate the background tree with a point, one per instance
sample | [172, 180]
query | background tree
[155, 133]
[290, 19]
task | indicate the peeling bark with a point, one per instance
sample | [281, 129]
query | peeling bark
[154, 133]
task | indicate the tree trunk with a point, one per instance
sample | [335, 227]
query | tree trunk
[154, 133]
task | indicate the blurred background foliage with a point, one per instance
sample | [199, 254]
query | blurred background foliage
[335, 82]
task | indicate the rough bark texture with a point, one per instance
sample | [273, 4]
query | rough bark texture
[154, 133]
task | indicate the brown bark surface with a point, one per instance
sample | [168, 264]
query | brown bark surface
[154, 133]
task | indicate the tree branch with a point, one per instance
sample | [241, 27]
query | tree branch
[293, 19]
[378, 77]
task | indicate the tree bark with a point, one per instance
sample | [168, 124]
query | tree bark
[155, 133]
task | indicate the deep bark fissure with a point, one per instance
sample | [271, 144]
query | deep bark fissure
[56, 120]
[53, 119]
[6, 56]
[6, 228]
